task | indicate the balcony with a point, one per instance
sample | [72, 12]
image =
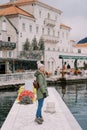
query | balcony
[50, 39]
[7, 45]
[50, 22]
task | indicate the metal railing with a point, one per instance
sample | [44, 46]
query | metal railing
[50, 39]
[50, 22]
[7, 45]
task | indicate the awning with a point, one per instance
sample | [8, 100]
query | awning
[72, 57]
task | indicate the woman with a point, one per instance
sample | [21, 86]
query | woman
[41, 91]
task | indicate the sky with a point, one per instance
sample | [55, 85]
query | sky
[74, 15]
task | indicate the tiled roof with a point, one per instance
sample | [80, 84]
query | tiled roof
[81, 45]
[24, 2]
[14, 10]
[72, 40]
[21, 2]
[84, 40]
[65, 26]
[18, 2]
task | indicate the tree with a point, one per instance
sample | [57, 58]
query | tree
[34, 44]
[41, 44]
[27, 45]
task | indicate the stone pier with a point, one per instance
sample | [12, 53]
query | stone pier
[21, 117]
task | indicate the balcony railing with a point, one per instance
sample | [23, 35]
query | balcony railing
[7, 45]
[50, 39]
[34, 55]
[50, 22]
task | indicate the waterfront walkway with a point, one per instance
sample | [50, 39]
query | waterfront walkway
[15, 78]
[21, 117]
[20, 78]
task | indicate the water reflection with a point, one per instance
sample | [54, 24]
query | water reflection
[75, 96]
[7, 99]
[63, 85]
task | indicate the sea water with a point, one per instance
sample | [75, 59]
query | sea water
[75, 97]
[7, 99]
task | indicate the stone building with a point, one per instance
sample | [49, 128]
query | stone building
[29, 19]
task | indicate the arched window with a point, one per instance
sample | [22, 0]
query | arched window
[4, 25]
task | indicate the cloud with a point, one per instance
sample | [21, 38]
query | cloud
[74, 15]
[78, 25]
[3, 1]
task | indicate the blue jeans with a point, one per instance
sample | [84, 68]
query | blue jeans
[39, 109]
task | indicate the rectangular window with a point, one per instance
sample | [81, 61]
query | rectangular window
[40, 14]
[48, 31]
[9, 39]
[56, 17]
[10, 54]
[0, 37]
[37, 29]
[30, 28]
[48, 49]
[58, 34]
[53, 49]
[48, 15]
[4, 25]
[58, 49]
[63, 34]
[48, 65]
[62, 50]
[53, 33]
[20, 34]
[79, 50]
[67, 35]
[23, 26]
[42, 30]
[0, 53]
[67, 50]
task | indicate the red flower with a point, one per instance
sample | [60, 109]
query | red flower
[26, 93]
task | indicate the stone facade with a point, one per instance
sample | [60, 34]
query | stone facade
[7, 34]
[46, 24]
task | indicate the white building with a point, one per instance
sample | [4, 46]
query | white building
[32, 18]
